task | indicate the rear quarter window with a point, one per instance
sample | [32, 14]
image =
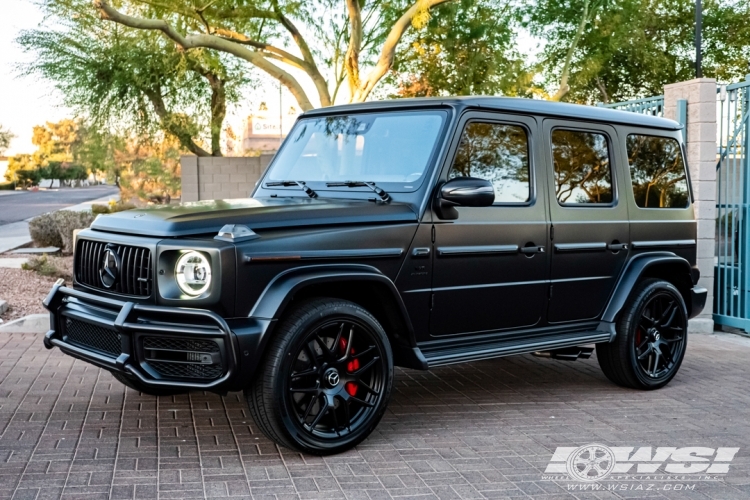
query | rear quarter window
[657, 170]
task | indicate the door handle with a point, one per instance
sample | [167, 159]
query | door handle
[532, 250]
[616, 247]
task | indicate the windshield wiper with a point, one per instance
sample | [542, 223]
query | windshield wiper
[385, 197]
[309, 192]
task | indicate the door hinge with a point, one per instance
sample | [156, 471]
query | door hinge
[432, 301]
[550, 291]
[552, 232]
[433, 234]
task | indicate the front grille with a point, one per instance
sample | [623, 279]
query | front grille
[186, 370]
[183, 358]
[92, 336]
[134, 275]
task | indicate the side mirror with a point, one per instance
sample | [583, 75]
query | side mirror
[463, 192]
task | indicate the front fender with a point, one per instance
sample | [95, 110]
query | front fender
[635, 269]
[277, 295]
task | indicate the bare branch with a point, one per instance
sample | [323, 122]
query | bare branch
[311, 68]
[387, 53]
[351, 61]
[210, 42]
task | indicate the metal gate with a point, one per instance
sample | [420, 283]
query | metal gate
[732, 262]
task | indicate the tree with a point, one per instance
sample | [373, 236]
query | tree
[6, 136]
[466, 48]
[114, 75]
[614, 50]
[251, 32]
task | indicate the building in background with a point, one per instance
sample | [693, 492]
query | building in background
[264, 129]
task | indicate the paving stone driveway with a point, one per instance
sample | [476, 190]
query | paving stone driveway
[482, 430]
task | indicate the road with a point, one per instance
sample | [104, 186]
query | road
[21, 205]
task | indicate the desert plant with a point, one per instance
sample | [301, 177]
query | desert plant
[67, 222]
[56, 267]
[56, 228]
[44, 232]
[111, 207]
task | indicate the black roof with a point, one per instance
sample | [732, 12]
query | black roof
[511, 104]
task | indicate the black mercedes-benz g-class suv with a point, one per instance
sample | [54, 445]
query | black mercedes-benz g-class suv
[414, 233]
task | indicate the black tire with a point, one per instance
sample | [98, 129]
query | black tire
[651, 338]
[319, 390]
[136, 385]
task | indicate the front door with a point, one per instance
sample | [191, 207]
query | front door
[590, 230]
[490, 266]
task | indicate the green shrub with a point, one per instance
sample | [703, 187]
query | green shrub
[56, 228]
[111, 207]
[28, 178]
[67, 222]
[44, 231]
[7, 186]
[49, 266]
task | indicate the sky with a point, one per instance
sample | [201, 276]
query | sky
[24, 101]
[29, 101]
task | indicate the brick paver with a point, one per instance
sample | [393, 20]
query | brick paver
[474, 431]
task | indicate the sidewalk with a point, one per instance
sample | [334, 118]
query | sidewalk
[16, 235]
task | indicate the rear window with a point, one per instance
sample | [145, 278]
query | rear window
[658, 172]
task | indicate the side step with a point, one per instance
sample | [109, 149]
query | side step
[453, 354]
[566, 353]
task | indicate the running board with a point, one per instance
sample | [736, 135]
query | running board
[566, 353]
[497, 349]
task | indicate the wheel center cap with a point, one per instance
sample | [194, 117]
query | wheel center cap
[331, 376]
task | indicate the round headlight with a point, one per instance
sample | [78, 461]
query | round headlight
[193, 273]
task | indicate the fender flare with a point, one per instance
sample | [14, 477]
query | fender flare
[281, 289]
[632, 273]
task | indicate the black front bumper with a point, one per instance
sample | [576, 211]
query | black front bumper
[191, 349]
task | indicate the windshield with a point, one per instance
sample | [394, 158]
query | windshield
[391, 148]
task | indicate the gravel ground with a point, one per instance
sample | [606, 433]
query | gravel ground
[24, 291]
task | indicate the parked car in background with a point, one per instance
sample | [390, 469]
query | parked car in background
[413, 233]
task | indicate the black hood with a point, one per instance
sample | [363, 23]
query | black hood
[209, 216]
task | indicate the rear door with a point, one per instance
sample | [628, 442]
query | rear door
[490, 268]
[589, 218]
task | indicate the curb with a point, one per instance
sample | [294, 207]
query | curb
[33, 323]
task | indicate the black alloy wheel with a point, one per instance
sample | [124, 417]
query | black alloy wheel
[337, 379]
[326, 379]
[660, 336]
[651, 338]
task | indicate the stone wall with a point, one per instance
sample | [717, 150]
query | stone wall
[701, 157]
[215, 178]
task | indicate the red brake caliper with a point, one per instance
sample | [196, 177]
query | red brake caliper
[351, 367]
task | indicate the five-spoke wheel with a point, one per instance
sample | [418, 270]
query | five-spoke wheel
[651, 338]
[326, 378]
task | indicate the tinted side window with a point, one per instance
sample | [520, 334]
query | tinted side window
[498, 153]
[658, 172]
[582, 167]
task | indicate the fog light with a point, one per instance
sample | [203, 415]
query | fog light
[193, 273]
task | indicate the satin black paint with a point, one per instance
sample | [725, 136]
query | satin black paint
[449, 283]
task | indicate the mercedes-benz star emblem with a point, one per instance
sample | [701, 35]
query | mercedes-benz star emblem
[110, 269]
[332, 377]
